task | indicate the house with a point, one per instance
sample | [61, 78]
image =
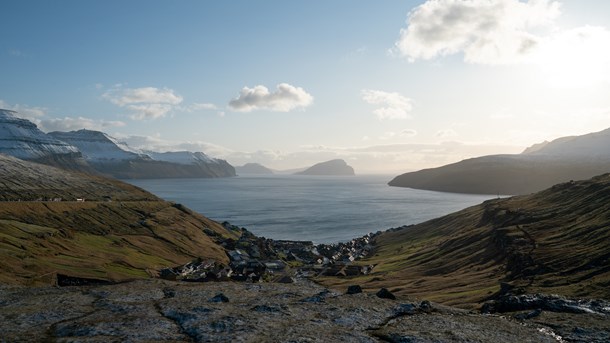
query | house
[237, 255]
[276, 265]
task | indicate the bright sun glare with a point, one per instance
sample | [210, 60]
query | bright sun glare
[576, 58]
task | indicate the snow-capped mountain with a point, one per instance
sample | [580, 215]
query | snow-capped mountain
[98, 147]
[112, 157]
[182, 157]
[91, 151]
[22, 139]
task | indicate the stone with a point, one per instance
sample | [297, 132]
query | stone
[219, 298]
[385, 294]
[425, 306]
[528, 315]
[354, 289]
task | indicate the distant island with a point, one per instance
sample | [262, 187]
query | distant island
[332, 167]
[253, 168]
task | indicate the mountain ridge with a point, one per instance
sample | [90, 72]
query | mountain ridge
[22, 138]
[538, 167]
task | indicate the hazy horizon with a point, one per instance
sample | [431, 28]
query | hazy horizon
[390, 88]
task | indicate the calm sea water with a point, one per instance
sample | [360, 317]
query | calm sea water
[323, 209]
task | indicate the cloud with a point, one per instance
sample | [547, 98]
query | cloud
[284, 99]
[31, 113]
[394, 158]
[446, 133]
[70, 124]
[127, 96]
[149, 111]
[156, 143]
[486, 32]
[408, 133]
[394, 105]
[201, 106]
[145, 102]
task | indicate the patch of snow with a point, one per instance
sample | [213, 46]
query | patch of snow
[97, 146]
[181, 157]
[22, 139]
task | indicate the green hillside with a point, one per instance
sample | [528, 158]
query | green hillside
[555, 241]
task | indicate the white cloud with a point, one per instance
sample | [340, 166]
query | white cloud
[156, 143]
[446, 133]
[70, 124]
[394, 105]
[487, 32]
[149, 111]
[284, 99]
[145, 102]
[122, 97]
[408, 133]
[31, 113]
[201, 106]
[389, 158]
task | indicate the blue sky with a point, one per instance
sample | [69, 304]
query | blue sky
[389, 86]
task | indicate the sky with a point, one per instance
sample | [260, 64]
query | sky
[389, 86]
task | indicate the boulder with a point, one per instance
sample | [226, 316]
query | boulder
[354, 289]
[219, 298]
[385, 294]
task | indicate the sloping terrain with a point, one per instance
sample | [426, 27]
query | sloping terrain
[556, 241]
[27, 181]
[537, 168]
[503, 174]
[119, 232]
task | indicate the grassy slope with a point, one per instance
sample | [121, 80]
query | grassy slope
[117, 240]
[554, 241]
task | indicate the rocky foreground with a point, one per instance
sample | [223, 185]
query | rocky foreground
[159, 310]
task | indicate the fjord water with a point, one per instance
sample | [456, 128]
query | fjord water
[323, 209]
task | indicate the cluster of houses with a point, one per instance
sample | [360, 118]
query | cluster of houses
[261, 259]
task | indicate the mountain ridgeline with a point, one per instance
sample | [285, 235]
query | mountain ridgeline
[537, 168]
[22, 139]
[97, 152]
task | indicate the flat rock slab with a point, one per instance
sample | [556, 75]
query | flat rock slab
[159, 310]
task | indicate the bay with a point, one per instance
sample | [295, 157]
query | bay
[322, 209]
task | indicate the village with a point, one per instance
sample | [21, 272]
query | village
[258, 259]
